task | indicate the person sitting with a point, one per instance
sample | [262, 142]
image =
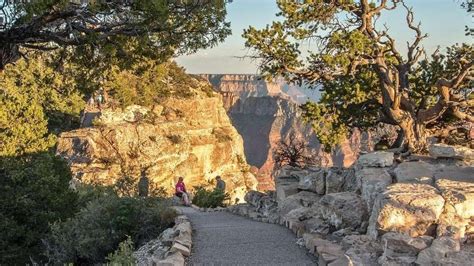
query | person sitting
[220, 184]
[181, 191]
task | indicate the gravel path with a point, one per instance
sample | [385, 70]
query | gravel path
[221, 238]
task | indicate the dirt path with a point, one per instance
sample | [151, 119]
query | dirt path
[221, 238]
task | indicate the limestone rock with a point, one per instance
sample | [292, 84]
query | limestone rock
[181, 249]
[344, 209]
[441, 248]
[267, 206]
[446, 151]
[415, 172]
[413, 209]
[341, 180]
[363, 250]
[376, 159]
[316, 225]
[373, 182]
[301, 199]
[253, 197]
[285, 189]
[173, 259]
[459, 194]
[455, 173]
[459, 207]
[326, 251]
[314, 181]
[193, 138]
[400, 245]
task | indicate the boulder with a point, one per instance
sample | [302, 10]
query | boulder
[415, 172]
[397, 243]
[441, 248]
[314, 181]
[295, 219]
[344, 209]
[289, 171]
[459, 207]
[184, 250]
[373, 182]
[362, 249]
[153, 250]
[455, 173]
[286, 189]
[326, 251]
[440, 150]
[267, 206]
[451, 223]
[376, 159]
[172, 259]
[301, 199]
[253, 197]
[459, 194]
[412, 209]
[341, 180]
[316, 225]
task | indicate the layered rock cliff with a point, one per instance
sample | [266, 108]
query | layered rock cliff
[265, 113]
[192, 137]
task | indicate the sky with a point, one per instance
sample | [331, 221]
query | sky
[443, 20]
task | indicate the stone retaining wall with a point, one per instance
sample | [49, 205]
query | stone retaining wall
[170, 248]
[378, 212]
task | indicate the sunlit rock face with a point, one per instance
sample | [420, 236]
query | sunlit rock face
[380, 211]
[193, 138]
[266, 112]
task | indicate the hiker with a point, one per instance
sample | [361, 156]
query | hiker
[100, 99]
[181, 191]
[143, 185]
[220, 184]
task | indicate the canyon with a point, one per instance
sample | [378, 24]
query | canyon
[266, 113]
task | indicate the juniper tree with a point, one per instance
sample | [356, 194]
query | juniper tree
[159, 28]
[365, 78]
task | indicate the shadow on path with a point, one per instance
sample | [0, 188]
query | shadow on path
[221, 238]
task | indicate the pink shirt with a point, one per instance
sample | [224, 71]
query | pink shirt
[180, 187]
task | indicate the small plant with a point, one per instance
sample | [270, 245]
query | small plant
[209, 198]
[123, 255]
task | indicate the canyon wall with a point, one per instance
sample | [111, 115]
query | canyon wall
[190, 137]
[265, 113]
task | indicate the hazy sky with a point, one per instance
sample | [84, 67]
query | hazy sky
[443, 20]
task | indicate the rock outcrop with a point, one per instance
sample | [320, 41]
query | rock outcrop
[192, 137]
[379, 211]
[267, 112]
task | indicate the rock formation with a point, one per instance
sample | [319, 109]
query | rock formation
[379, 211]
[265, 113]
[191, 137]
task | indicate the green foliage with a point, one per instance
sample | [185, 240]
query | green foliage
[98, 229]
[123, 255]
[124, 31]
[34, 192]
[147, 83]
[365, 81]
[345, 103]
[209, 198]
[37, 101]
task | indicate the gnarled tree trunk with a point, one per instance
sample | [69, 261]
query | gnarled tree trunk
[415, 135]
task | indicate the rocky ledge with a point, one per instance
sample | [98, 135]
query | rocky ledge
[377, 212]
[170, 248]
[193, 138]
